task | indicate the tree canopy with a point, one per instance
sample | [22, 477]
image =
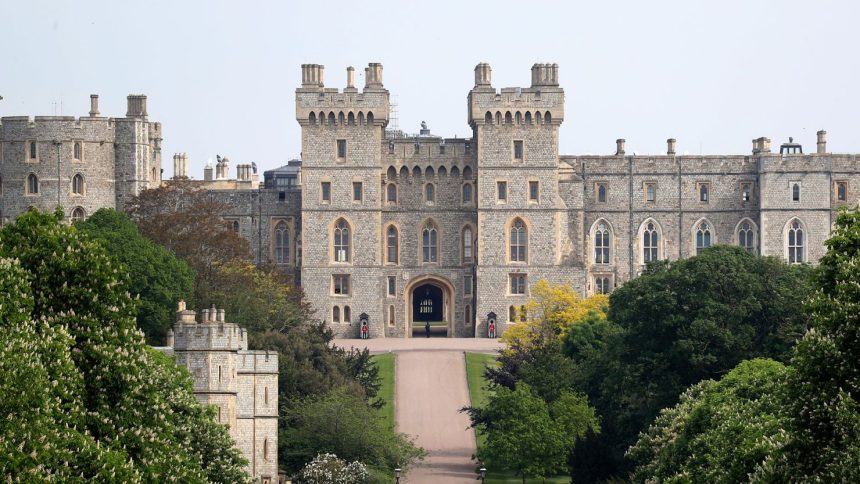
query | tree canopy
[99, 404]
[156, 275]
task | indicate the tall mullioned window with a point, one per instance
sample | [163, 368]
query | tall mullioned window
[518, 284]
[32, 184]
[282, 243]
[796, 243]
[391, 193]
[601, 193]
[391, 245]
[430, 193]
[467, 245]
[467, 193]
[430, 243]
[601, 244]
[795, 192]
[601, 285]
[650, 243]
[33, 150]
[77, 150]
[746, 237]
[78, 185]
[703, 236]
[519, 237]
[841, 191]
[341, 241]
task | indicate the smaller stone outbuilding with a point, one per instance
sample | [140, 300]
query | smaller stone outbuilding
[241, 384]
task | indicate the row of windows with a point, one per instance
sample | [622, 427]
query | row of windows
[33, 151]
[703, 237]
[467, 148]
[348, 119]
[429, 172]
[31, 186]
[341, 285]
[518, 118]
[703, 189]
[391, 194]
[502, 191]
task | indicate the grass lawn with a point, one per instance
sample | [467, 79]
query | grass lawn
[385, 363]
[476, 363]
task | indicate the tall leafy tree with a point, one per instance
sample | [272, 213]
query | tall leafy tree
[529, 437]
[822, 391]
[156, 275]
[720, 431]
[102, 392]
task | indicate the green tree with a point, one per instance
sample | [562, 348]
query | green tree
[341, 423]
[156, 275]
[683, 322]
[821, 394]
[95, 388]
[720, 431]
[529, 437]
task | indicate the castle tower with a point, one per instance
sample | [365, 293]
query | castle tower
[341, 201]
[522, 221]
[241, 384]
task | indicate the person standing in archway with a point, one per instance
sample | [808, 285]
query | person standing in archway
[427, 328]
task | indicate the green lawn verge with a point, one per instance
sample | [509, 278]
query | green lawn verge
[385, 363]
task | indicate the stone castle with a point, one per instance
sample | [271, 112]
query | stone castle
[397, 230]
[242, 385]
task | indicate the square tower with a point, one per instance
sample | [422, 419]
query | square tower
[342, 135]
[522, 221]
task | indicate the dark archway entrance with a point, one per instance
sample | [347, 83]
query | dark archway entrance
[428, 306]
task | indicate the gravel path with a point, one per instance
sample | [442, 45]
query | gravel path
[430, 389]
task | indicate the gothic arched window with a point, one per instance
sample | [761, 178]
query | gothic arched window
[282, 243]
[518, 241]
[430, 193]
[77, 150]
[78, 184]
[703, 236]
[602, 240]
[796, 243]
[650, 243]
[78, 214]
[391, 245]
[746, 236]
[601, 285]
[467, 193]
[391, 193]
[430, 243]
[335, 314]
[341, 241]
[32, 184]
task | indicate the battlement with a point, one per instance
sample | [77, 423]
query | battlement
[540, 104]
[211, 333]
[317, 105]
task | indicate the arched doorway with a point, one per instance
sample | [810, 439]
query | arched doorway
[429, 302]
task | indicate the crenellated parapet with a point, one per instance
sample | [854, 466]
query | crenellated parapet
[540, 104]
[317, 105]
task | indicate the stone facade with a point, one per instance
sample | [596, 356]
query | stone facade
[241, 384]
[371, 221]
[100, 162]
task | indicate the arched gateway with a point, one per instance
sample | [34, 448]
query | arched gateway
[429, 300]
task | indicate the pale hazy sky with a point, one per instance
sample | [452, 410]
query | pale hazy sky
[221, 76]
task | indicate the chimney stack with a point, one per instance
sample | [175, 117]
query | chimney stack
[207, 171]
[312, 75]
[619, 147]
[545, 75]
[373, 76]
[136, 106]
[483, 75]
[670, 146]
[180, 165]
[822, 142]
[94, 105]
[761, 145]
[350, 77]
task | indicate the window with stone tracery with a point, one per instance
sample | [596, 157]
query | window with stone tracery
[341, 241]
[703, 236]
[796, 244]
[602, 241]
[430, 243]
[518, 241]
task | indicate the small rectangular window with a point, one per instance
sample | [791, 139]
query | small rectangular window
[518, 150]
[32, 150]
[441, 149]
[746, 192]
[357, 191]
[795, 191]
[341, 149]
[392, 286]
[534, 191]
[518, 284]
[502, 190]
[467, 285]
[601, 189]
[841, 191]
[325, 189]
[704, 192]
[340, 284]
[650, 192]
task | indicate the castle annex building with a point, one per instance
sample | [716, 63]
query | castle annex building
[399, 229]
